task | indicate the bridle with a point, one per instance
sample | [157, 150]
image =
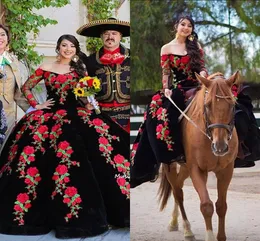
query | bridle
[229, 127]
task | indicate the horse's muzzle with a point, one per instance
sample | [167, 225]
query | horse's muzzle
[219, 149]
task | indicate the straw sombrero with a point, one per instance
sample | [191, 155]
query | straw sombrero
[95, 28]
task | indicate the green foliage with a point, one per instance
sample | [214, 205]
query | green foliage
[98, 10]
[22, 21]
[228, 45]
[230, 32]
[148, 33]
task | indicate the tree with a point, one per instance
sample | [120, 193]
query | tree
[98, 10]
[22, 20]
[228, 31]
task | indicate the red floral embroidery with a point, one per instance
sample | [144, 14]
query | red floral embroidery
[29, 84]
[61, 177]
[160, 113]
[56, 130]
[155, 104]
[31, 179]
[181, 63]
[61, 83]
[39, 72]
[234, 90]
[72, 199]
[124, 186]
[133, 152]
[22, 204]
[123, 166]
[119, 162]
[162, 133]
[12, 155]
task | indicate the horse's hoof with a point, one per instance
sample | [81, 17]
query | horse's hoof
[172, 227]
[188, 234]
[190, 238]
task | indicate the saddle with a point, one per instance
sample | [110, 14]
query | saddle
[189, 97]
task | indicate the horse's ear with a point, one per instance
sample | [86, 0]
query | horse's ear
[234, 79]
[203, 80]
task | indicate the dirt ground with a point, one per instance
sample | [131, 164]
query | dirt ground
[243, 215]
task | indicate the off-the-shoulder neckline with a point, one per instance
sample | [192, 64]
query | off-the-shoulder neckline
[176, 55]
[56, 72]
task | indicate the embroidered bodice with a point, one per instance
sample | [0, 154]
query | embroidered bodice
[178, 68]
[59, 86]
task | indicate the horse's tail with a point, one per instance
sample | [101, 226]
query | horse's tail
[164, 191]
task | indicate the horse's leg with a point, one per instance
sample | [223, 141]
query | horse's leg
[224, 177]
[177, 181]
[199, 179]
[173, 225]
[171, 176]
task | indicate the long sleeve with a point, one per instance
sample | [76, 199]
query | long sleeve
[3, 124]
[31, 83]
[166, 71]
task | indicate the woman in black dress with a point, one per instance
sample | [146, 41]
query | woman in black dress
[159, 137]
[64, 167]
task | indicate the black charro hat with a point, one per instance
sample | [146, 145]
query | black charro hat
[95, 28]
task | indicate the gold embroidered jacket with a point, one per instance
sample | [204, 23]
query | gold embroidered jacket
[115, 79]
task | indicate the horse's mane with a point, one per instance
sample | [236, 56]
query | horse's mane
[218, 88]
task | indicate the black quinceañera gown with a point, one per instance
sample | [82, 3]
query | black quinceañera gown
[159, 136]
[65, 168]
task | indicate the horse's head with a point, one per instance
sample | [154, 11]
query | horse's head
[219, 105]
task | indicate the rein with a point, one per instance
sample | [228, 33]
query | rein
[229, 127]
[188, 118]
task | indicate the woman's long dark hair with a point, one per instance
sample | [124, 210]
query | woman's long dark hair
[78, 66]
[192, 46]
[6, 31]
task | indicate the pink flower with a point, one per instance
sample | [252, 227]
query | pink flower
[66, 200]
[63, 145]
[28, 150]
[97, 122]
[61, 169]
[121, 181]
[119, 159]
[66, 179]
[103, 140]
[71, 191]
[156, 97]
[43, 129]
[32, 171]
[18, 208]
[22, 197]
[159, 128]
[27, 205]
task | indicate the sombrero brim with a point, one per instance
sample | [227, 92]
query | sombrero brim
[95, 28]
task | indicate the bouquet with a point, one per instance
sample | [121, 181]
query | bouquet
[88, 87]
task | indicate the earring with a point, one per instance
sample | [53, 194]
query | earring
[75, 58]
[191, 37]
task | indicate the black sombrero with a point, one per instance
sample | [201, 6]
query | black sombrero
[95, 28]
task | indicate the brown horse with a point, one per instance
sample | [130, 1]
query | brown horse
[212, 145]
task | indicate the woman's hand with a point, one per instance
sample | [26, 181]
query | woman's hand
[203, 74]
[46, 105]
[89, 106]
[167, 92]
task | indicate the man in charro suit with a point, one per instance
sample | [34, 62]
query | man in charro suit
[111, 64]
[12, 75]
